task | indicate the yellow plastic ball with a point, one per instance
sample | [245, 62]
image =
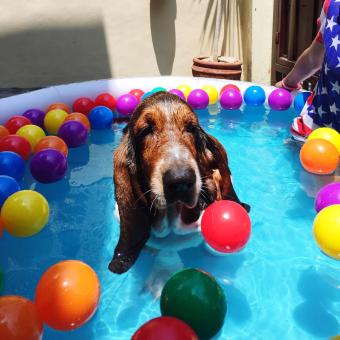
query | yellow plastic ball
[32, 133]
[328, 134]
[25, 213]
[212, 93]
[186, 89]
[54, 119]
[326, 229]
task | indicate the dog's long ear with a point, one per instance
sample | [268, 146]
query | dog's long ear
[132, 205]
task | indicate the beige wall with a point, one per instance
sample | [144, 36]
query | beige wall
[44, 42]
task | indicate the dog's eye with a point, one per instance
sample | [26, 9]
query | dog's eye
[191, 128]
[145, 131]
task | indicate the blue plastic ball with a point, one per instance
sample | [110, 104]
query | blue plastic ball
[12, 165]
[158, 89]
[254, 95]
[8, 186]
[147, 94]
[300, 101]
[101, 117]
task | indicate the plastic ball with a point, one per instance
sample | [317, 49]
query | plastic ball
[280, 99]
[14, 123]
[158, 89]
[74, 133]
[254, 95]
[197, 299]
[2, 277]
[3, 131]
[32, 133]
[8, 186]
[326, 230]
[16, 144]
[146, 95]
[48, 166]
[328, 134]
[19, 319]
[198, 99]
[226, 226]
[185, 89]
[328, 195]
[60, 106]
[54, 119]
[126, 104]
[231, 99]
[319, 157]
[178, 93]
[35, 116]
[106, 99]
[300, 101]
[101, 117]
[212, 93]
[52, 142]
[137, 93]
[79, 117]
[83, 105]
[165, 328]
[12, 165]
[67, 295]
[229, 87]
[25, 213]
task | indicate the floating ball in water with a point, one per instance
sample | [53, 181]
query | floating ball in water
[198, 99]
[16, 144]
[137, 93]
[186, 89]
[83, 105]
[73, 133]
[79, 117]
[328, 195]
[101, 117]
[60, 106]
[32, 133]
[158, 89]
[8, 186]
[14, 123]
[280, 99]
[228, 87]
[3, 131]
[146, 95]
[254, 95]
[300, 101]
[12, 165]
[52, 142]
[328, 134]
[106, 99]
[231, 99]
[178, 93]
[126, 104]
[35, 116]
[54, 120]
[212, 93]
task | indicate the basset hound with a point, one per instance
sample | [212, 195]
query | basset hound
[167, 170]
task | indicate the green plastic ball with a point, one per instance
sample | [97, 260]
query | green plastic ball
[195, 297]
[158, 89]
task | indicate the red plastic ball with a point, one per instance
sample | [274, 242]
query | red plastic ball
[228, 87]
[165, 328]
[83, 105]
[15, 123]
[106, 99]
[137, 93]
[226, 226]
[16, 144]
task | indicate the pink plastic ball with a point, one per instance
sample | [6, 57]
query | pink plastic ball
[198, 99]
[280, 99]
[126, 104]
[231, 99]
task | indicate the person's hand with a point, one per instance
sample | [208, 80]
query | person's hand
[279, 84]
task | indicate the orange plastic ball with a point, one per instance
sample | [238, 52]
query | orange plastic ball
[60, 106]
[3, 131]
[67, 295]
[52, 142]
[319, 156]
[79, 117]
[19, 319]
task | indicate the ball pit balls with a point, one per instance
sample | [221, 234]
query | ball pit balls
[3, 131]
[326, 230]
[165, 328]
[73, 133]
[228, 87]
[126, 104]
[14, 123]
[83, 105]
[67, 295]
[25, 213]
[48, 166]
[2, 278]
[254, 96]
[158, 89]
[198, 99]
[53, 120]
[226, 226]
[137, 93]
[319, 157]
[60, 106]
[185, 89]
[12, 165]
[101, 117]
[231, 99]
[8, 186]
[35, 116]
[16, 144]
[52, 142]
[178, 93]
[146, 95]
[32, 133]
[328, 134]
[328, 195]
[280, 99]
[212, 93]
[197, 299]
[79, 117]
[300, 101]
[19, 319]
[106, 99]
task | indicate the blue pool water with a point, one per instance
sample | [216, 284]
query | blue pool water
[279, 287]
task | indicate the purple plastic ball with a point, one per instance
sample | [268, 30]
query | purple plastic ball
[73, 133]
[126, 104]
[178, 93]
[198, 99]
[280, 99]
[231, 99]
[48, 166]
[328, 195]
[35, 116]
